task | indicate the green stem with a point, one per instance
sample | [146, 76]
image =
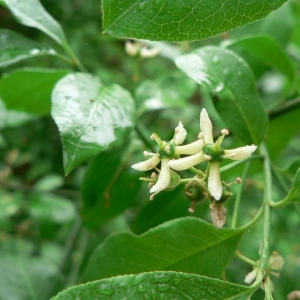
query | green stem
[284, 108]
[254, 220]
[75, 59]
[238, 162]
[245, 259]
[265, 246]
[239, 196]
[197, 172]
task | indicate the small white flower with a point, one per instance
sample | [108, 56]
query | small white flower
[214, 180]
[213, 153]
[148, 164]
[166, 150]
[250, 277]
[180, 134]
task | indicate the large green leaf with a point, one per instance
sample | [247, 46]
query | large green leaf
[268, 51]
[29, 90]
[178, 21]
[91, 117]
[231, 83]
[166, 206]
[283, 127]
[31, 13]
[108, 188]
[15, 47]
[188, 245]
[158, 285]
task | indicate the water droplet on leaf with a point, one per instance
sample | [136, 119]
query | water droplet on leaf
[105, 289]
[216, 59]
[137, 279]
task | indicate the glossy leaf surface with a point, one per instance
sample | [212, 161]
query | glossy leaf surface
[29, 90]
[31, 13]
[158, 285]
[109, 187]
[178, 21]
[186, 245]
[231, 83]
[15, 48]
[268, 51]
[91, 117]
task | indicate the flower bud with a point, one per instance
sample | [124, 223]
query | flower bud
[226, 193]
[195, 190]
[174, 181]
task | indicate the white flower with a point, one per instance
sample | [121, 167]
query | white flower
[166, 151]
[213, 153]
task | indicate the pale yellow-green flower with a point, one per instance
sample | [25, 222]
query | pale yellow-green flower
[213, 153]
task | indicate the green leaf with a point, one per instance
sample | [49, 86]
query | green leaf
[109, 187]
[178, 21]
[31, 13]
[231, 83]
[187, 245]
[15, 47]
[283, 126]
[173, 90]
[91, 117]
[268, 51]
[166, 206]
[158, 285]
[29, 90]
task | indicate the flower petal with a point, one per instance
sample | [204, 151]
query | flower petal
[192, 148]
[240, 153]
[164, 177]
[214, 180]
[251, 276]
[186, 162]
[147, 164]
[180, 134]
[206, 126]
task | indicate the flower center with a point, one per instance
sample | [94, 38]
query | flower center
[214, 151]
[167, 150]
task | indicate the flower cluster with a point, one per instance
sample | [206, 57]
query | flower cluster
[207, 184]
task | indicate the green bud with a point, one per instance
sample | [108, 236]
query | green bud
[214, 151]
[226, 193]
[175, 181]
[195, 190]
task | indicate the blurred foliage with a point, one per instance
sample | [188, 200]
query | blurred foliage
[50, 224]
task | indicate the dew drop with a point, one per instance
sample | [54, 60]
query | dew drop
[158, 3]
[219, 88]
[216, 59]
[105, 289]
[142, 288]
[137, 279]
[34, 51]
[142, 6]
[162, 287]
[161, 277]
